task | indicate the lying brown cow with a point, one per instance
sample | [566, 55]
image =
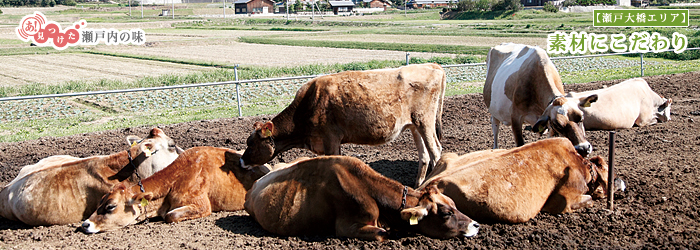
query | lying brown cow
[342, 195]
[201, 181]
[64, 189]
[363, 107]
[624, 105]
[523, 86]
[514, 185]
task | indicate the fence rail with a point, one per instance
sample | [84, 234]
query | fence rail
[260, 91]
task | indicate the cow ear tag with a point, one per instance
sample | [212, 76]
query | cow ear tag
[413, 220]
[266, 132]
[587, 104]
[133, 143]
[147, 152]
[144, 202]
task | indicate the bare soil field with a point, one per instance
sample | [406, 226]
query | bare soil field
[659, 163]
[233, 52]
[57, 68]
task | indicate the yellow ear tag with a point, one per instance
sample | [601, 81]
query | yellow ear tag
[147, 152]
[587, 104]
[413, 220]
[266, 133]
[133, 143]
[144, 202]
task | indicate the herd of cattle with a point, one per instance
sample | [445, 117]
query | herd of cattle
[342, 194]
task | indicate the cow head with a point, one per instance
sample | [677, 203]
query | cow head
[261, 145]
[118, 208]
[598, 187]
[153, 153]
[563, 117]
[663, 113]
[436, 216]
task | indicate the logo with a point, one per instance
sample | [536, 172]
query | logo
[36, 28]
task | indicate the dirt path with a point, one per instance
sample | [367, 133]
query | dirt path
[659, 164]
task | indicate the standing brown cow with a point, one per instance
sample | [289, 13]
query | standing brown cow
[523, 86]
[363, 107]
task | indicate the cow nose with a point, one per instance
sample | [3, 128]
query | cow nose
[88, 227]
[472, 229]
[584, 149]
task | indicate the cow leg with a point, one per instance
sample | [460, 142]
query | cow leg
[196, 209]
[582, 201]
[495, 125]
[517, 126]
[423, 156]
[353, 229]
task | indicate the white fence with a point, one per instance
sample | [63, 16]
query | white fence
[241, 93]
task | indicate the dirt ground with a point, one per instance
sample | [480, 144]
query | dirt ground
[658, 210]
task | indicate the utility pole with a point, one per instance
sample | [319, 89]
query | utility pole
[173, 9]
[224, 9]
[129, 8]
[405, 6]
[286, 10]
[141, 2]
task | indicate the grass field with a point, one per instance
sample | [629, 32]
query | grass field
[199, 46]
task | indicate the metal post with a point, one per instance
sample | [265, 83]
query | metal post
[405, 6]
[408, 58]
[286, 10]
[173, 9]
[238, 96]
[611, 170]
[641, 62]
[224, 9]
[141, 2]
[129, 8]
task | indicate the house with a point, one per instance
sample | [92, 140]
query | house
[420, 4]
[254, 6]
[341, 7]
[378, 3]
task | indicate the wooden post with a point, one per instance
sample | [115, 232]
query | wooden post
[611, 170]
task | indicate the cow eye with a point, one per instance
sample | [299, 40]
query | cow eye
[446, 213]
[111, 207]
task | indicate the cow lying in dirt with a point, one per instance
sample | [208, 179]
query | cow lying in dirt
[624, 105]
[363, 107]
[523, 86]
[344, 196]
[514, 185]
[63, 189]
[201, 181]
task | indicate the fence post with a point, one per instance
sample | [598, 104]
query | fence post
[611, 169]
[408, 58]
[641, 62]
[238, 96]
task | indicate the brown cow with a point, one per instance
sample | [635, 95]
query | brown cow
[363, 107]
[63, 189]
[514, 185]
[624, 105]
[201, 181]
[523, 86]
[344, 196]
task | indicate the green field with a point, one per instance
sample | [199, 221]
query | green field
[198, 31]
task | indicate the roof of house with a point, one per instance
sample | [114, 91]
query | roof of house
[384, 1]
[341, 3]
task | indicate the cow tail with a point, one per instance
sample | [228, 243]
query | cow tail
[438, 119]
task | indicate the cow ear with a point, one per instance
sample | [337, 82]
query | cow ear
[147, 148]
[132, 140]
[586, 101]
[541, 124]
[414, 214]
[267, 130]
[155, 132]
[257, 126]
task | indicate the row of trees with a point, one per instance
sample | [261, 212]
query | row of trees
[489, 5]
